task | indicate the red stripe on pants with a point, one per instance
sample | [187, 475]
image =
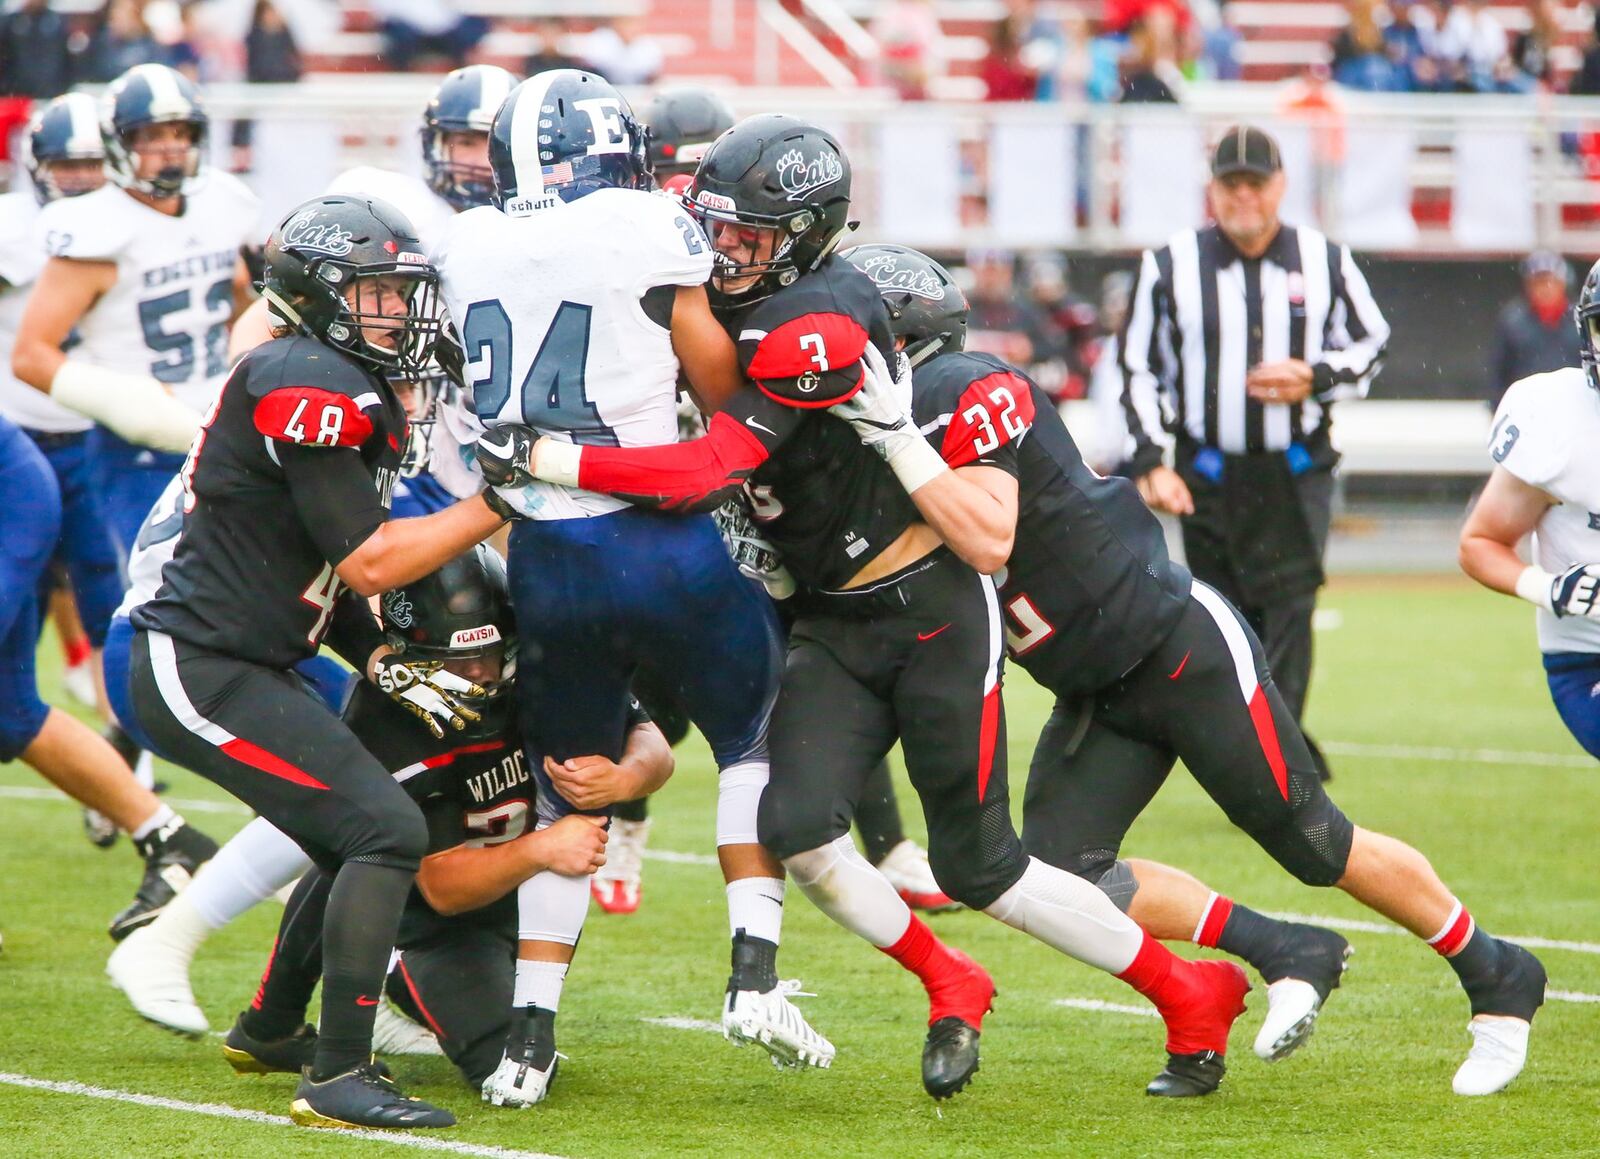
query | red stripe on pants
[1267, 734]
[416, 996]
[257, 757]
[988, 729]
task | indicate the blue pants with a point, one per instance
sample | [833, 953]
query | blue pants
[326, 678]
[420, 495]
[131, 480]
[31, 503]
[597, 599]
[1575, 687]
[86, 549]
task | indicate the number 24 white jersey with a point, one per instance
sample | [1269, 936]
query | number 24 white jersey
[551, 316]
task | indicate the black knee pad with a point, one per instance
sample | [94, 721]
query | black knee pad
[788, 823]
[975, 864]
[1315, 847]
[394, 834]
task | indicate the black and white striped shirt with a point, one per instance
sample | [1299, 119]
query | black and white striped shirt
[1203, 315]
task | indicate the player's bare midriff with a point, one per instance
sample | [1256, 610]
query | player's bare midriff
[911, 545]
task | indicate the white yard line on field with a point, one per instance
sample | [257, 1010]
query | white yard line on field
[1436, 753]
[1108, 1007]
[685, 1024]
[222, 1111]
[1368, 927]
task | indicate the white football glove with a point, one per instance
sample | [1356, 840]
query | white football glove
[756, 558]
[427, 691]
[880, 415]
[1574, 592]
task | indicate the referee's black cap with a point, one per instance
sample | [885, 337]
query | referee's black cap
[1245, 149]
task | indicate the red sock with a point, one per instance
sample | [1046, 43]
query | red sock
[1212, 920]
[1455, 933]
[77, 652]
[957, 986]
[1191, 996]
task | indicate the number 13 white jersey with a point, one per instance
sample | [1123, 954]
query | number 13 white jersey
[550, 309]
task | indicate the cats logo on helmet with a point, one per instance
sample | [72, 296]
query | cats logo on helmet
[799, 175]
[890, 276]
[304, 231]
[397, 609]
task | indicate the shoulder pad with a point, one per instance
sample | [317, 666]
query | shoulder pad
[971, 405]
[93, 228]
[310, 395]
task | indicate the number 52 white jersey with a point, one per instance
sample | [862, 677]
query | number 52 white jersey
[551, 313]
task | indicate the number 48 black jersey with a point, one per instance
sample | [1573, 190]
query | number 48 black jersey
[1089, 590]
[291, 472]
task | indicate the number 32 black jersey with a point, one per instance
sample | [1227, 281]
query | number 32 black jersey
[291, 472]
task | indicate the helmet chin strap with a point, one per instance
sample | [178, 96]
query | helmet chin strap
[281, 307]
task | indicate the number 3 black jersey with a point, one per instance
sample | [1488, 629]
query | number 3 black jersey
[1089, 590]
[290, 473]
[827, 503]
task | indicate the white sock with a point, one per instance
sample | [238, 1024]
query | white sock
[256, 863]
[180, 929]
[841, 883]
[1069, 914]
[156, 820]
[539, 984]
[755, 905]
[144, 769]
[551, 908]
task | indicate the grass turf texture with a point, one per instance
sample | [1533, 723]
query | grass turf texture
[1426, 663]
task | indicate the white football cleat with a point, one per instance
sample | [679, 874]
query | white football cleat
[77, 680]
[519, 1084]
[1292, 1009]
[776, 1025]
[394, 1033]
[906, 867]
[155, 977]
[1499, 1050]
[616, 884]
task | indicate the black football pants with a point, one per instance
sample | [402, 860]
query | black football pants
[916, 656]
[1205, 696]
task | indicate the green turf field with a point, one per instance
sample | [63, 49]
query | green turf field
[1431, 703]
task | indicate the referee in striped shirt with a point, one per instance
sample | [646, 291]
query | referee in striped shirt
[1239, 336]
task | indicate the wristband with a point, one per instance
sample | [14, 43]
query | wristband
[134, 406]
[1534, 586]
[912, 460]
[557, 462]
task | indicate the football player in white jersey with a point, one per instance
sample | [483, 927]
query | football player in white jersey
[152, 969]
[580, 297]
[147, 271]
[1546, 482]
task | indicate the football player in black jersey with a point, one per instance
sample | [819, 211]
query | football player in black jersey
[1150, 667]
[458, 934]
[897, 634]
[287, 489]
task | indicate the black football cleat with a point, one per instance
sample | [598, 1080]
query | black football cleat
[171, 855]
[949, 1057]
[1188, 1076]
[363, 1097]
[101, 831]
[250, 1055]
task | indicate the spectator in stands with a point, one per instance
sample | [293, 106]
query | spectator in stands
[1474, 46]
[911, 45]
[34, 59]
[1122, 15]
[1535, 333]
[1150, 70]
[1004, 322]
[185, 50]
[622, 51]
[1532, 48]
[1360, 57]
[271, 57]
[120, 40]
[1055, 48]
[1408, 39]
[551, 32]
[1006, 77]
[413, 29]
[1073, 332]
[1108, 451]
[1586, 81]
[1219, 41]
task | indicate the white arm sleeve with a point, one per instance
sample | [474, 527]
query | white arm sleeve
[135, 406]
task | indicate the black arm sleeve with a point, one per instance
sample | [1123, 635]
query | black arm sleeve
[353, 632]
